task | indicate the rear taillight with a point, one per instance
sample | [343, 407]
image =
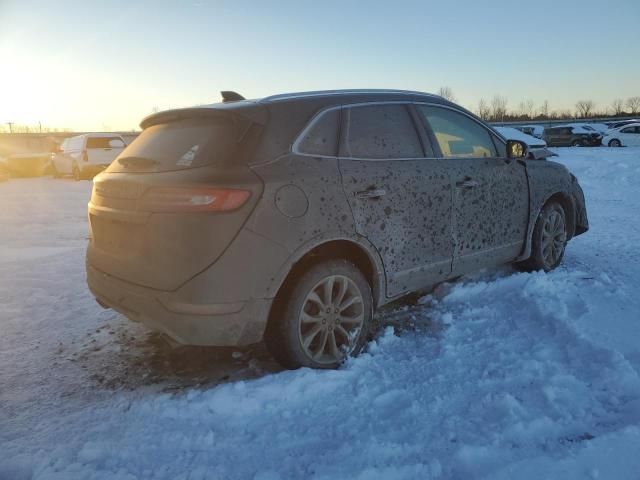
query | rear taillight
[192, 199]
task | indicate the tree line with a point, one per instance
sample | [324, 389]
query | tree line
[496, 109]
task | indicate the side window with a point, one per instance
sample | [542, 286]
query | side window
[628, 130]
[322, 137]
[379, 131]
[75, 143]
[104, 142]
[457, 134]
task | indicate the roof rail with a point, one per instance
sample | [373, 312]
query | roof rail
[321, 93]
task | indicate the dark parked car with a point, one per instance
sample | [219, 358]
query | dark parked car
[292, 218]
[570, 136]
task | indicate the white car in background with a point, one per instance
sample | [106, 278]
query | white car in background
[533, 130]
[625, 136]
[84, 156]
[510, 133]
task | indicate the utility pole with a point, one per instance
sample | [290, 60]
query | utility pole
[10, 126]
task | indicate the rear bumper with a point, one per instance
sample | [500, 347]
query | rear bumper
[219, 324]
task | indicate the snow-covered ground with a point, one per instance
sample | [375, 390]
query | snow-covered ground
[502, 375]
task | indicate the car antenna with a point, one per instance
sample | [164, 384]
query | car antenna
[230, 96]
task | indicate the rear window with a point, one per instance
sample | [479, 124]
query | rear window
[104, 142]
[178, 145]
[322, 137]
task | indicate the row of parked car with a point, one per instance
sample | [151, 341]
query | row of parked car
[614, 134]
[82, 156]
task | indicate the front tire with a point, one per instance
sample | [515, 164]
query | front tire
[615, 143]
[323, 318]
[549, 239]
[576, 143]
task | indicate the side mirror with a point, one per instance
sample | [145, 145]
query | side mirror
[516, 149]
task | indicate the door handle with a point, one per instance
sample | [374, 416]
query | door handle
[468, 183]
[373, 193]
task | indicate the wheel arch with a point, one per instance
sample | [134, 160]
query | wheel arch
[355, 251]
[568, 204]
[345, 248]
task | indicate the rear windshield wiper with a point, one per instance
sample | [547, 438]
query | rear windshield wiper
[137, 162]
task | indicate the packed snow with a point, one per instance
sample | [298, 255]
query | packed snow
[499, 375]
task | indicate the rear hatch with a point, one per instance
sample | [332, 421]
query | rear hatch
[171, 203]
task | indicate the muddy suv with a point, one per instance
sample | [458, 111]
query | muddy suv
[292, 218]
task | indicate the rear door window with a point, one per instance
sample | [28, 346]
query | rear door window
[458, 135]
[177, 145]
[379, 132]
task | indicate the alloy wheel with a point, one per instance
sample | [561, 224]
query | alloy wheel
[331, 319]
[554, 238]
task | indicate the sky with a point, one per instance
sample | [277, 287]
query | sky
[104, 65]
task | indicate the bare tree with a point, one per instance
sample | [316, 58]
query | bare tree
[447, 94]
[522, 109]
[498, 107]
[565, 114]
[584, 108]
[525, 109]
[544, 109]
[634, 104]
[530, 107]
[617, 106]
[483, 109]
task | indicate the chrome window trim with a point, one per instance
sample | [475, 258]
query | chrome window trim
[311, 123]
[295, 147]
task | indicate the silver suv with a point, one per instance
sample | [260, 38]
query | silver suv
[293, 217]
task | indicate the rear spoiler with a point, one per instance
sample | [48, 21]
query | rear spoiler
[248, 110]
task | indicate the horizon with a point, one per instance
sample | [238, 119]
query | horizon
[145, 56]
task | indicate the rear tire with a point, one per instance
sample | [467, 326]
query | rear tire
[615, 143]
[549, 239]
[323, 319]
